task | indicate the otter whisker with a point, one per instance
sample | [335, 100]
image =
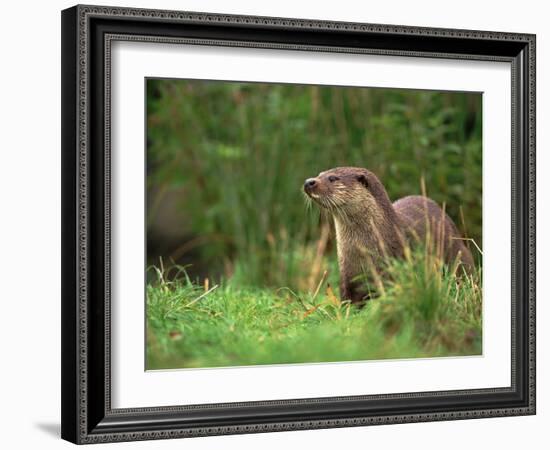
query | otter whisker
[308, 201]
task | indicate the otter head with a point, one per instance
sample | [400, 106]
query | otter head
[348, 191]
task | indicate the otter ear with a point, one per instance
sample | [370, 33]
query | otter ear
[363, 180]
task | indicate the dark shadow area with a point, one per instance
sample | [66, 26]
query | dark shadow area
[53, 429]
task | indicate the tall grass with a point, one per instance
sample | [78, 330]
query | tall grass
[236, 155]
[422, 310]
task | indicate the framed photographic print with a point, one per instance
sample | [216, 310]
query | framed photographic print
[279, 224]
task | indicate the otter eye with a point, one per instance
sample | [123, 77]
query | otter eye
[363, 180]
[332, 178]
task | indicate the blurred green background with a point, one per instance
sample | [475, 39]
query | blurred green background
[226, 162]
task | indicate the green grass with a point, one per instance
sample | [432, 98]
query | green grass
[423, 310]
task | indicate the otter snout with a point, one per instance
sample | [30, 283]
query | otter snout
[310, 184]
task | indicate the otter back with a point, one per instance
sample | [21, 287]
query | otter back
[422, 218]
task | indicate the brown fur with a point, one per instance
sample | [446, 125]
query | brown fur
[370, 228]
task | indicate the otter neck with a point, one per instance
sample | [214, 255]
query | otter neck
[368, 236]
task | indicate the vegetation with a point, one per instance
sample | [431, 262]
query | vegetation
[236, 155]
[225, 166]
[423, 310]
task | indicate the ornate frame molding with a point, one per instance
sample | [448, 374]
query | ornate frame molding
[80, 418]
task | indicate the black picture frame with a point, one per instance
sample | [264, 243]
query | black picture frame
[87, 416]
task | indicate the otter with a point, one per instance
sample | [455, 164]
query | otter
[370, 228]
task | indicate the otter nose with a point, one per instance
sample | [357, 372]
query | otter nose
[310, 183]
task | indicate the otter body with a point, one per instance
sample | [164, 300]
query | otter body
[369, 228]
